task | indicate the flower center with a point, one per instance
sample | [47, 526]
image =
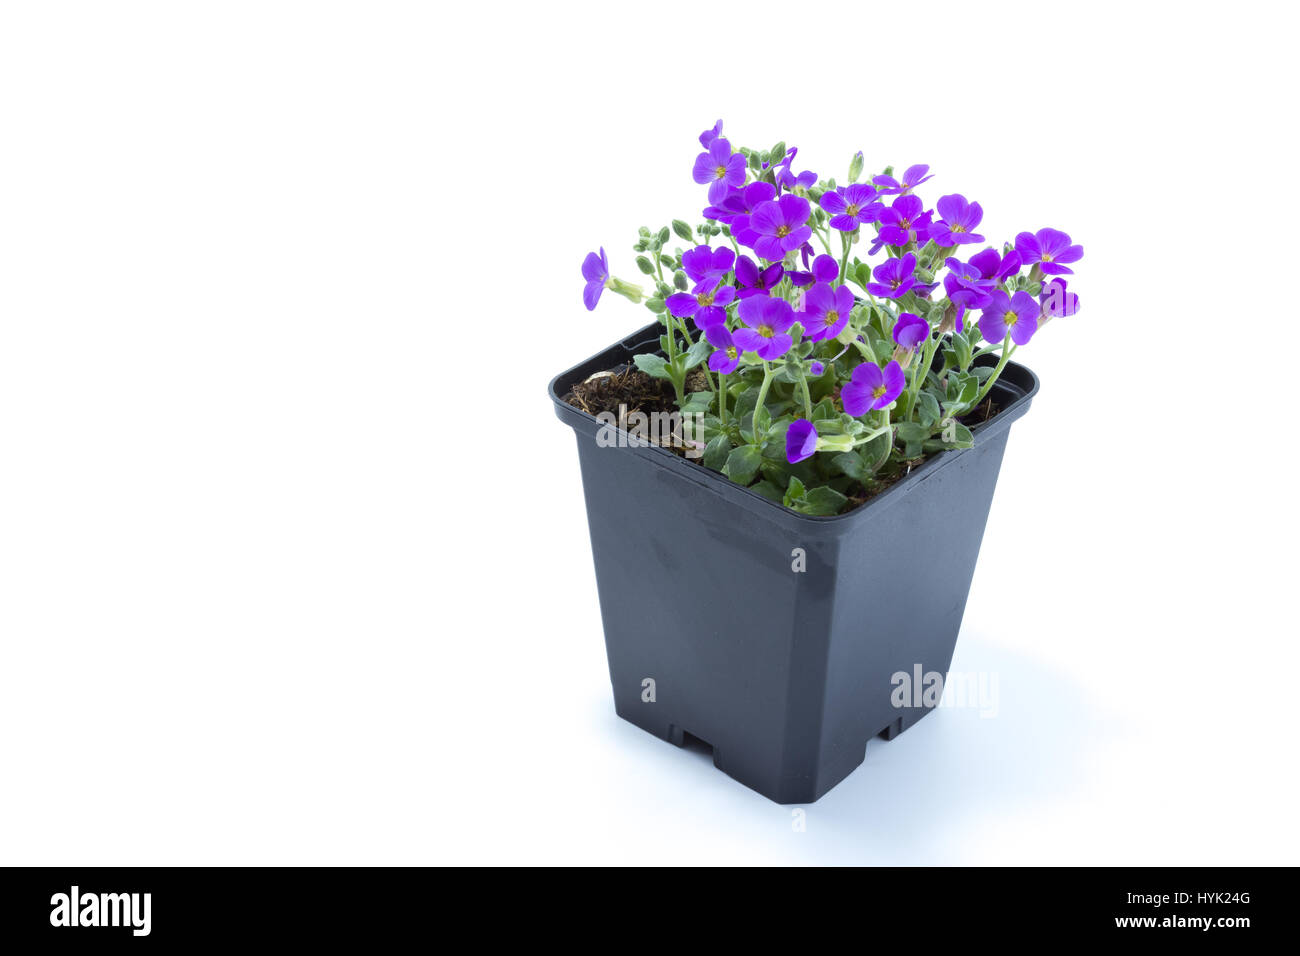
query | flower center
[731, 351]
[852, 210]
[782, 231]
[832, 317]
[957, 229]
[1047, 257]
[878, 392]
[1010, 317]
[766, 331]
[705, 298]
[904, 224]
[721, 172]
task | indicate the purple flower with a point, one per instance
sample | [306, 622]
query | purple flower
[994, 266]
[870, 387]
[785, 175]
[703, 263]
[852, 206]
[958, 221]
[1017, 314]
[911, 330]
[755, 282]
[894, 277]
[1057, 301]
[767, 319]
[824, 269]
[720, 169]
[815, 368]
[595, 269]
[902, 222]
[739, 206]
[800, 440]
[727, 356]
[780, 226]
[706, 303]
[913, 177]
[709, 135]
[966, 285]
[1050, 249]
[826, 311]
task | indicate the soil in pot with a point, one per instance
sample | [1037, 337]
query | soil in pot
[629, 389]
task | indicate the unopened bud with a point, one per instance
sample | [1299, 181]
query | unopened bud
[855, 166]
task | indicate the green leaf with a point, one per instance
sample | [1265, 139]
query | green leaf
[768, 490]
[822, 500]
[697, 402]
[956, 435]
[697, 353]
[653, 365]
[909, 432]
[793, 493]
[742, 464]
[850, 463]
[824, 410]
[716, 452]
[962, 389]
[928, 407]
[861, 273]
[962, 347]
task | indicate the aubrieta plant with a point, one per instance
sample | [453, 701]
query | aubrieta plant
[828, 375]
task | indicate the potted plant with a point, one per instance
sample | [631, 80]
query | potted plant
[787, 475]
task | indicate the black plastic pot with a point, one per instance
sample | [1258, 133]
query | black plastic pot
[786, 674]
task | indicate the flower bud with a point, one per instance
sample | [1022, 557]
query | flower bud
[902, 356]
[855, 166]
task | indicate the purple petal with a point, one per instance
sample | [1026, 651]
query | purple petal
[833, 203]
[682, 305]
[951, 207]
[594, 268]
[800, 440]
[894, 381]
[795, 211]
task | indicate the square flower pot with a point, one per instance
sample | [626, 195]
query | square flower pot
[715, 629]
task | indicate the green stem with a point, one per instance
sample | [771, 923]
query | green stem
[722, 397]
[807, 396]
[889, 445]
[762, 394]
[874, 434]
[922, 371]
[844, 259]
[1007, 349]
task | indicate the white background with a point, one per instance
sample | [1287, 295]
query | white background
[293, 557]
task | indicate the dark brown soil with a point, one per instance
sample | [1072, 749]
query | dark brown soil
[634, 390]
